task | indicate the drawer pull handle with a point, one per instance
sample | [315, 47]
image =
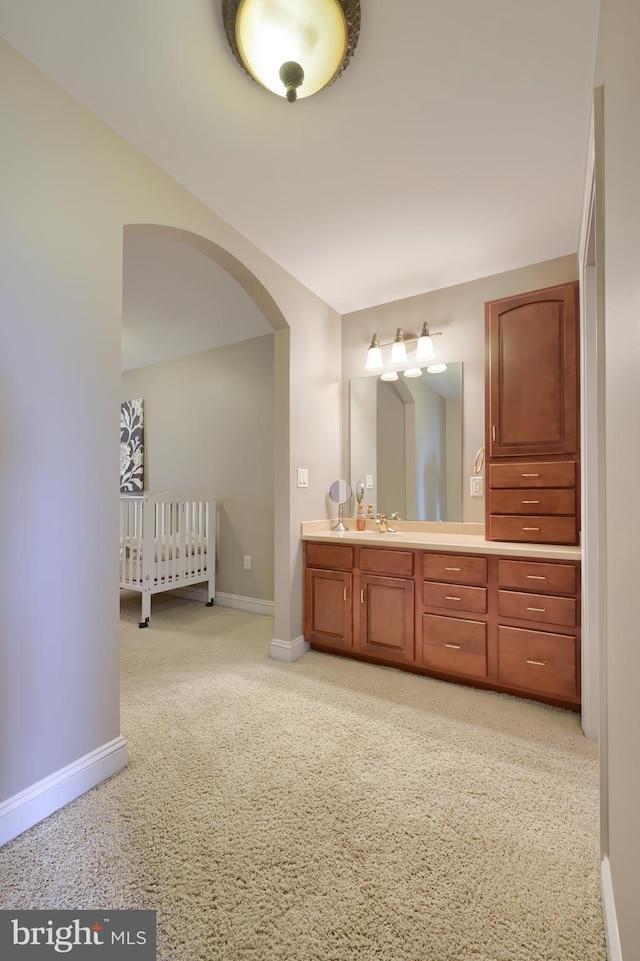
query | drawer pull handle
[361, 596]
[453, 568]
[542, 610]
[530, 528]
[531, 660]
[530, 502]
[529, 475]
[455, 647]
[450, 597]
[536, 577]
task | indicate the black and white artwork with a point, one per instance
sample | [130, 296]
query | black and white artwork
[131, 446]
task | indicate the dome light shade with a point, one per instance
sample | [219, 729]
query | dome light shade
[389, 375]
[291, 48]
[413, 372]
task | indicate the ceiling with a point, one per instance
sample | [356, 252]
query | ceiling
[453, 147]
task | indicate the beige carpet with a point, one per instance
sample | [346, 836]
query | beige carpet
[324, 810]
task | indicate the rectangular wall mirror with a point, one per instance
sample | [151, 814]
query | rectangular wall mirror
[406, 444]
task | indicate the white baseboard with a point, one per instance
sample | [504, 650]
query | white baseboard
[289, 650]
[614, 949]
[37, 802]
[253, 605]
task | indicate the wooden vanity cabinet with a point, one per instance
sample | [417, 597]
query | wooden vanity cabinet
[328, 595]
[454, 608]
[510, 624]
[532, 417]
[538, 630]
[384, 608]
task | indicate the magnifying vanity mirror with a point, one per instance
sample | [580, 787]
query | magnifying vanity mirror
[340, 493]
[406, 442]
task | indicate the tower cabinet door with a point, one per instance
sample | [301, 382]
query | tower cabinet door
[532, 373]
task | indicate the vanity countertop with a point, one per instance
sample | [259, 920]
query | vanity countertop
[464, 538]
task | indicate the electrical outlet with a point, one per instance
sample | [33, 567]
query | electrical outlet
[369, 482]
[477, 486]
[247, 562]
[303, 477]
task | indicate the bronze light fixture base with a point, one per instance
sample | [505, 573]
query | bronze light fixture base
[292, 73]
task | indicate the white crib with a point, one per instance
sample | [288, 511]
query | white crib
[166, 542]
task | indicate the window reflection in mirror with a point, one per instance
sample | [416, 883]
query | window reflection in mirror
[406, 444]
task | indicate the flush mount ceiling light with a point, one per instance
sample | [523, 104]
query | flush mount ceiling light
[293, 49]
[399, 359]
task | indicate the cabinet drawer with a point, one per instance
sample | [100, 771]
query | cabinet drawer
[454, 568]
[454, 646]
[334, 557]
[540, 577]
[455, 597]
[533, 530]
[543, 608]
[538, 662]
[553, 501]
[379, 561]
[551, 474]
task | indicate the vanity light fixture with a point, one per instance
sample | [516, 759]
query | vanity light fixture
[399, 360]
[291, 48]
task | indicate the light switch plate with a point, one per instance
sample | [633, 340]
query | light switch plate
[303, 477]
[369, 482]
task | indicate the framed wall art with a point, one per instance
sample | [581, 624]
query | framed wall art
[131, 446]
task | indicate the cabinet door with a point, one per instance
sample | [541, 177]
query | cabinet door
[386, 618]
[532, 373]
[328, 608]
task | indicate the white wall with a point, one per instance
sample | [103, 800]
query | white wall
[619, 70]
[459, 313]
[69, 187]
[209, 428]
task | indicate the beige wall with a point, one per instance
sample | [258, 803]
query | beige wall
[209, 428]
[619, 70]
[69, 187]
[459, 313]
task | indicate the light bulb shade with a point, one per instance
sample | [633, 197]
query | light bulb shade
[399, 349]
[436, 368]
[271, 33]
[424, 350]
[389, 375]
[413, 372]
[374, 355]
